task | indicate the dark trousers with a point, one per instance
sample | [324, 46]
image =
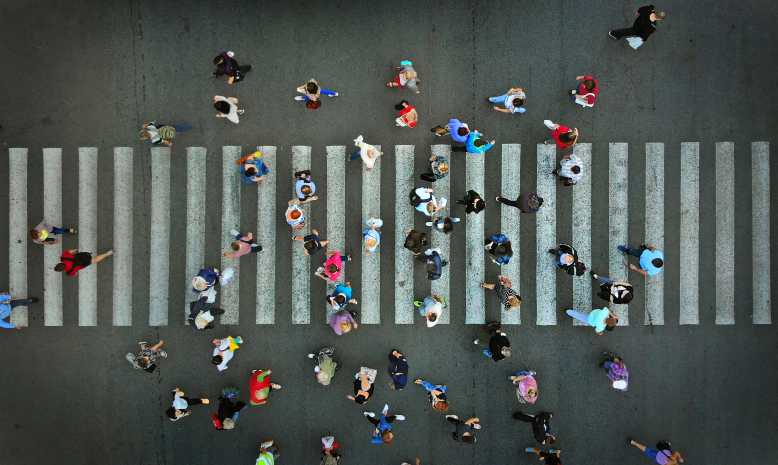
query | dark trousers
[429, 177]
[626, 32]
[192, 402]
[20, 302]
[510, 203]
[459, 148]
[524, 417]
[634, 251]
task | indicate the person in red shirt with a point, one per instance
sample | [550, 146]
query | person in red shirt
[563, 136]
[587, 91]
[408, 117]
[72, 261]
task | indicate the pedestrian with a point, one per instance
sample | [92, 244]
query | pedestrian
[311, 92]
[295, 216]
[437, 394]
[227, 107]
[615, 292]
[662, 455]
[312, 242]
[570, 170]
[512, 101]
[260, 386]
[567, 260]
[616, 369]
[371, 235]
[398, 370]
[343, 321]
[223, 351]
[499, 347]
[332, 267]
[431, 308]
[383, 425]
[147, 356]
[72, 261]
[364, 385]
[268, 453]
[499, 248]
[304, 187]
[563, 136]
[252, 168]
[541, 425]
[474, 144]
[601, 319]
[340, 297]
[444, 224]
[650, 259]
[526, 386]
[326, 365]
[415, 241]
[229, 409]
[202, 314]
[406, 77]
[423, 200]
[509, 298]
[226, 65]
[464, 431]
[642, 28]
[204, 283]
[407, 116]
[6, 308]
[242, 245]
[330, 451]
[551, 457]
[587, 90]
[438, 168]
[434, 263]
[43, 233]
[527, 202]
[368, 153]
[473, 202]
[455, 128]
[160, 133]
[181, 406]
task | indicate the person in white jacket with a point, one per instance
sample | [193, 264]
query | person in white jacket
[367, 152]
[224, 350]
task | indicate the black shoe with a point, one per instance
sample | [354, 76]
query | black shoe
[552, 251]
[610, 34]
[33, 300]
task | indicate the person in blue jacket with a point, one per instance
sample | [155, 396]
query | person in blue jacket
[341, 296]
[499, 247]
[455, 128]
[6, 307]
[383, 425]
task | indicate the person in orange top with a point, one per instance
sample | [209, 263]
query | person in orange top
[408, 117]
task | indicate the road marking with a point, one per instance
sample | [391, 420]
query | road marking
[18, 234]
[618, 218]
[122, 236]
[231, 187]
[87, 234]
[159, 247]
[52, 213]
[403, 221]
[301, 263]
[725, 233]
[655, 229]
[195, 218]
[545, 270]
[582, 229]
[510, 222]
[371, 262]
[441, 241]
[760, 227]
[474, 243]
[336, 207]
[266, 235]
[689, 256]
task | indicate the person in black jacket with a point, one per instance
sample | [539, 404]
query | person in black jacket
[567, 259]
[644, 25]
[473, 202]
[499, 344]
[398, 369]
[541, 425]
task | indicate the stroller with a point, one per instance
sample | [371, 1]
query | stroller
[326, 366]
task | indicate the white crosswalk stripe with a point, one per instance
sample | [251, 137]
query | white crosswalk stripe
[269, 209]
[440, 240]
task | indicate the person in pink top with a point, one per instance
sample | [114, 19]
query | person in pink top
[333, 266]
[242, 245]
[587, 91]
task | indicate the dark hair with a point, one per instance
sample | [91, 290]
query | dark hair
[550, 439]
[34, 233]
[448, 225]
[432, 317]
[340, 299]
[251, 171]
[479, 142]
[387, 436]
[311, 87]
[59, 267]
[503, 249]
[236, 245]
[610, 328]
[332, 268]
[222, 106]
[360, 399]
[309, 245]
[657, 262]
[575, 169]
[306, 189]
[463, 131]
[171, 412]
[567, 136]
[589, 84]
[401, 105]
[217, 359]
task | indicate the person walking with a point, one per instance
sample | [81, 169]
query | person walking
[227, 107]
[550, 457]
[311, 92]
[616, 369]
[642, 28]
[371, 235]
[147, 356]
[343, 321]
[438, 168]
[567, 260]
[499, 347]
[383, 425]
[261, 386]
[615, 292]
[474, 144]
[181, 406]
[227, 65]
[509, 298]
[526, 386]
[330, 451]
[662, 455]
[326, 366]
[312, 242]
[512, 101]
[295, 216]
[570, 170]
[541, 425]
[455, 128]
[304, 187]
[563, 136]
[223, 351]
[364, 385]
[423, 200]
[341, 296]
[407, 116]
[226, 417]
[72, 261]
[431, 308]
[464, 431]
[473, 202]
[527, 202]
[433, 262]
[437, 394]
[202, 314]
[398, 370]
[499, 248]
[586, 91]
[443, 224]
[268, 453]
[407, 77]
[252, 168]
[242, 245]
[416, 241]
[368, 153]
[43, 233]
[650, 259]
[7, 304]
[204, 283]
[333, 266]
[601, 319]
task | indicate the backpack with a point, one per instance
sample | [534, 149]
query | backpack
[415, 199]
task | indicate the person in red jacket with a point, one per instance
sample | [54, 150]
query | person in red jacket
[72, 261]
[587, 91]
[407, 116]
[563, 136]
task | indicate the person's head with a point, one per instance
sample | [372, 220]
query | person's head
[222, 106]
[588, 84]
[144, 134]
[576, 169]
[506, 352]
[143, 362]
[332, 268]
[532, 394]
[171, 412]
[431, 207]
[311, 87]
[440, 406]
[251, 171]
[443, 167]
[59, 267]
[535, 202]
[387, 437]
[345, 326]
[463, 131]
[479, 142]
[550, 439]
[568, 137]
[217, 359]
[34, 233]
[658, 16]
[503, 249]
[401, 105]
[295, 214]
[611, 322]
[568, 259]
[514, 301]
[340, 299]
[306, 190]
[657, 262]
[432, 317]
[216, 341]
[235, 245]
[448, 225]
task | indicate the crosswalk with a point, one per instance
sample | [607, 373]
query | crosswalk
[275, 190]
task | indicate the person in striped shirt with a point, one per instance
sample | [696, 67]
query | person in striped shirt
[509, 298]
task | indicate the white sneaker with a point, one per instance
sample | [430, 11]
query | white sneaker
[234, 232]
[311, 355]
[476, 341]
[399, 417]
[299, 98]
[369, 414]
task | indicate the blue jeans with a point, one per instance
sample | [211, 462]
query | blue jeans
[501, 100]
[604, 279]
[487, 353]
[327, 92]
[578, 315]
[356, 155]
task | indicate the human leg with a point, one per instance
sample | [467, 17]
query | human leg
[603, 279]
[635, 252]
[22, 302]
[499, 99]
[429, 177]
[509, 202]
[101, 257]
[577, 315]
[56, 230]
[521, 416]
[356, 155]
[621, 33]
[329, 92]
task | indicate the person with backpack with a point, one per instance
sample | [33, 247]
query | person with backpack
[416, 241]
[182, 405]
[526, 386]
[226, 417]
[509, 298]
[601, 319]
[436, 393]
[343, 321]
[650, 258]
[570, 170]
[227, 107]
[423, 200]
[333, 266]
[434, 263]
[368, 153]
[512, 101]
[443, 224]
[567, 260]
[304, 187]
[383, 425]
[341, 296]
[295, 216]
[147, 356]
[586, 92]
[312, 242]
[371, 235]
[242, 245]
[662, 455]
[202, 314]
[642, 28]
[364, 385]
[616, 370]
[407, 116]
[252, 168]
[456, 129]
[464, 431]
[227, 65]
[204, 283]
[407, 77]
[431, 308]
[550, 457]
[561, 135]
[160, 133]
[541, 425]
[438, 168]
[527, 202]
[473, 202]
[311, 92]
[72, 261]
[474, 144]
[499, 346]
[223, 351]
[398, 370]
[615, 292]
[268, 453]
[499, 248]
[326, 365]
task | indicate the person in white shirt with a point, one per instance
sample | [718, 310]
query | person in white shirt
[227, 107]
[367, 152]
[570, 170]
[429, 205]
[224, 350]
[431, 308]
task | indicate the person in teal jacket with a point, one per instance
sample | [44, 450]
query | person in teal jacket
[475, 144]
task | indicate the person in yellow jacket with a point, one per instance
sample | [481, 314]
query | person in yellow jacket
[224, 350]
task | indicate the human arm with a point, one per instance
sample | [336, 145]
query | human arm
[638, 270]
[472, 420]
[651, 247]
[157, 346]
[502, 110]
